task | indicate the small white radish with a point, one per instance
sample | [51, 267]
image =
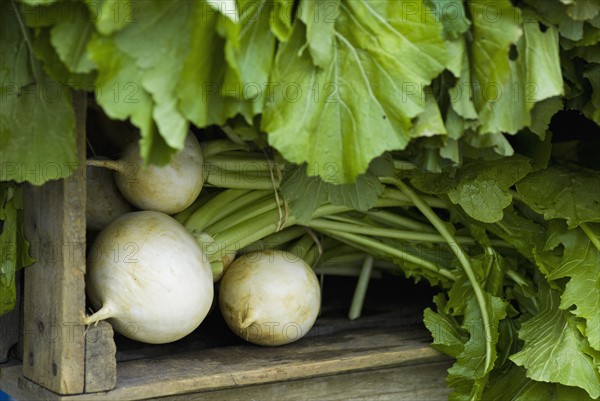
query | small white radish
[148, 275]
[269, 297]
[104, 202]
[170, 188]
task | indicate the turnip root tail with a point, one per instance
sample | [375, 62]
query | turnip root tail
[109, 164]
[104, 313]
[245, 325]
[247, 322]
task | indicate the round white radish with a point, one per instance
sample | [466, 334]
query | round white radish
[269, 297]
[104, 201]
[170, 188]
[148, 275]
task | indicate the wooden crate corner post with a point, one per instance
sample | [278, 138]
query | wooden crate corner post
[59, 353]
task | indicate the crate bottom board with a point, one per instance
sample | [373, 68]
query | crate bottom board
[423, 382]
[372, 364]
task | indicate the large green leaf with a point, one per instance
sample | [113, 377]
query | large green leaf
[251, 58]
[319, 18]
[579, 259]
[466, 341]
[113, 15]
[201, 94]
[122, 96]
[37, 121]
[461, 93]
[524, 234]
[200, 49]
[453, 15]
[70, 35]
[559, 192]
[14, 248]
[479, 187]
[513, 66]
[360, 102]
[514, 385]
[482, 189]
[592, 108]
[8, 244]
[360, 195]
[554, 12]
[554, 349]
[429, 123]
[542, 113]
[582, 9]
[447, 334]
[160, 70]
[54, 66]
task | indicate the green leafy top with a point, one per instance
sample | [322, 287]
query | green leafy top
[558, 192]
[359, 96]
[331, 82]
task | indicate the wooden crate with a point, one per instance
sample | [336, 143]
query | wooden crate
[385, 355]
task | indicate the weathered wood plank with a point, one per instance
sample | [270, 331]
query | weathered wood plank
[247, 365]
[54, 345]
[100, 361]
[425, 382]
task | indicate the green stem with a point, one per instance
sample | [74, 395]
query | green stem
[361, 289]
[301, 247]
[313, 255]
[237, 208]
[385, 232]
[239, 164]
[242, 235]
[355, 256]
[517, 278]
[241, 215]
[516, 196]
[404, 165]
[373, 245]
[244, 227]
[185, 214]
[590, 234]
[400, 196]
[345, 271]
[212, 148]
[393, 219]
[238, 179]
[205, 215]
[462, 258]
[276, 240]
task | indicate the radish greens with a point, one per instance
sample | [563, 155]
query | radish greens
[420, 138]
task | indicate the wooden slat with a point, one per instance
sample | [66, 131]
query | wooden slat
[100, 361]
[239, 366]
[54, 345]
[424, 382]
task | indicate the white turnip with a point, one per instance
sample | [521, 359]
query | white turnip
[148, 275]
[104, 202]
[170, 188]
[269, 297]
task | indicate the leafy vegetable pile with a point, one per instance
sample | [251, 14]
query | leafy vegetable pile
[420, 129]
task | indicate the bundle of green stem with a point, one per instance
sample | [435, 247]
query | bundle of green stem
[251, 214]
[401, 228]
